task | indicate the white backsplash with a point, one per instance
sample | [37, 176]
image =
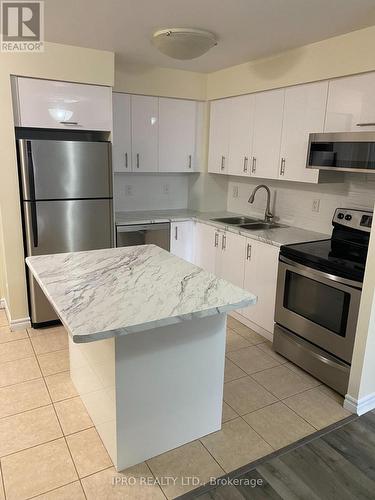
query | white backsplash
[293, 202]
[133, 192]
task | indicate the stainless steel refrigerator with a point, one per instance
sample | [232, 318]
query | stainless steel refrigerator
[67, 206]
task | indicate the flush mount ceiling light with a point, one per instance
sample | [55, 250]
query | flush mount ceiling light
[183, 43]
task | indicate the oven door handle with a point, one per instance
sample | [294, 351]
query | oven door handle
[316, 272]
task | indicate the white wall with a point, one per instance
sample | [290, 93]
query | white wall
[292, 202]
[163, 82]
[150, 191]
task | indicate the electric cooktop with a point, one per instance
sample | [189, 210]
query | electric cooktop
[343, 255]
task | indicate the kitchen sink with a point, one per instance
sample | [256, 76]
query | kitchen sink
[236, 221]
[257, 226]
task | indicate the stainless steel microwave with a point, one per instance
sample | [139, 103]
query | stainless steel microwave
[342, 151]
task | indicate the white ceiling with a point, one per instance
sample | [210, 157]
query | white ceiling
[246, 29]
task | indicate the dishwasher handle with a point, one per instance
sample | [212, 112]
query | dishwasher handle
[128, 228]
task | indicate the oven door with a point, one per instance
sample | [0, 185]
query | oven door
[319, 307]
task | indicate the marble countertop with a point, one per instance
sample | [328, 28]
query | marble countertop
[276, 237]
[104, 293]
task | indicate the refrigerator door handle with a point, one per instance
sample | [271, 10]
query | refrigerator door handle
[31, 179]
[30, 169]
[34, 223]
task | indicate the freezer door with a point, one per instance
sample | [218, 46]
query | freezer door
[52, 170]
[63, 226]
[67, 225]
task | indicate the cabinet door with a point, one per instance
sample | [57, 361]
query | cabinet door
[206, 246]
[219, 136]
[260, 279]
[177, 120]
[121, 144]
[304, 112]
[268, 119]
[240, 134]
[182, 239]
[230, 260]
[144, 133]
[351, 104]
[53, 104]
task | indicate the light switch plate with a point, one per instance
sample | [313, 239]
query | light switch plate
[129, 190]
[235, 191]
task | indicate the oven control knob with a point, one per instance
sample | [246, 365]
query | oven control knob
[340, 215]
[348, 217]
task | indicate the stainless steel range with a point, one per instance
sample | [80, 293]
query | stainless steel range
[318, 295]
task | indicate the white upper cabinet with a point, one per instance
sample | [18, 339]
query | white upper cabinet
[177, 125]
[241, 123]
[304, 113]
[63, 105]
[268, 119]
[121, 147]
[145, 117]
[219, 136]
[351, 104]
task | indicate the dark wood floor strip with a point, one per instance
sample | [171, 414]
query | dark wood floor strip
[337, 463]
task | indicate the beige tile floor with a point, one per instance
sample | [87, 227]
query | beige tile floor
[50, 450]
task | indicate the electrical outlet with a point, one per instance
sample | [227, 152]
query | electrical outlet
[316, 205]
[235, 191]
[129, 190]
[166, 189]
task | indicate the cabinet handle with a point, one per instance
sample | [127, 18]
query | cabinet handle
[222, 162]
[248, 252]
[282, 167]
[370, 124]
[216, 240]
[254, 165]
[176, 233]
[189, 161]
[245, 162]
[223, 242]
[69, 123]
[137, 160]
[126, 160]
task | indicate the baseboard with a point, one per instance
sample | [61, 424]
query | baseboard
[15, 324]
[253, 326]
[360, 406]
[19, 324]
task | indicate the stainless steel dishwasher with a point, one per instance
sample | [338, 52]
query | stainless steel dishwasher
[157, 233]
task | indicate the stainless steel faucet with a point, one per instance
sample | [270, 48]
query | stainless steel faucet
[268, 216]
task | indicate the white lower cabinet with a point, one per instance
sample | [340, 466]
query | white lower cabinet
[182, 240]
[261, 263]
[206, 242]
[220, 252]
[230, 261]
[246, 263]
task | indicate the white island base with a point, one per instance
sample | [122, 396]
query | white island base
[152, 391]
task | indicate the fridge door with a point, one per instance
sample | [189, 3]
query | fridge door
[68, 225]
[53, 170]
[63, 226]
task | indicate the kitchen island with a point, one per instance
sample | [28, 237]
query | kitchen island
[146, 343]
